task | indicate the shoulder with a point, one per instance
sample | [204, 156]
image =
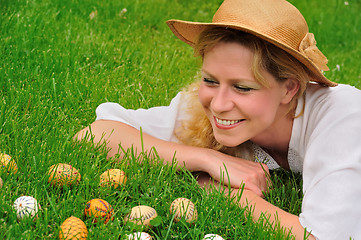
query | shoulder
[321, 100]
[342, 93]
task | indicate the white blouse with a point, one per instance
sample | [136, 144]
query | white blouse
[325, 147]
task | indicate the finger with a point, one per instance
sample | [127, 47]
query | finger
[255, 189]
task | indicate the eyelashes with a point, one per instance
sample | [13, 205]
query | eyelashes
[240, 88]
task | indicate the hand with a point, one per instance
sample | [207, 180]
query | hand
[237, 171]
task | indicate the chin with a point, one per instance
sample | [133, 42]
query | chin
[227, 142]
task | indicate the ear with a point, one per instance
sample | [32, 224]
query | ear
[291, 86]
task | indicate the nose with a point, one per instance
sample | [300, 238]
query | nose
[222, 100]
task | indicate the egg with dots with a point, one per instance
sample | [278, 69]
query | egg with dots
[99, 210]
[141, 215]
[26, 206]
[63, 174]
[8, 165]
[183, 208]
[113, 178]
[73, 228]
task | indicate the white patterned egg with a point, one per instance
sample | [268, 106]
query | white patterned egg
[139, 236]
[212, 237]
[26, 206]
[141, 215]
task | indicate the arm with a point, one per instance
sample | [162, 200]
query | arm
[260, 207]
[115, 133]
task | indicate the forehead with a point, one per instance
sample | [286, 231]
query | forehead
[228, 58]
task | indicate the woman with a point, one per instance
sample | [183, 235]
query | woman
[263, 96]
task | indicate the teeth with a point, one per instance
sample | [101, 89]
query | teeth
[227, 122]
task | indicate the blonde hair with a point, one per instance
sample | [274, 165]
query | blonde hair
[197, 130]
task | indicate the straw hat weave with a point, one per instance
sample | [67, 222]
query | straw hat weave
[276, 21]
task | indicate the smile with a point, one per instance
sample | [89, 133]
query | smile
[227, 122]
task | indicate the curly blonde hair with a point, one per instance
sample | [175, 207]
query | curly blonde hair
[197, 130]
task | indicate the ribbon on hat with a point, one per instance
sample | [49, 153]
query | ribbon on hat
[309, 49]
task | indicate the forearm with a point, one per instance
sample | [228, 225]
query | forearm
[258, 207]
[118, 136]
[222, 167]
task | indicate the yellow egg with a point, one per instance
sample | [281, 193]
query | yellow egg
[62, 174]
[73, 228]
[113, 177]
[98, 209]
[8, 165]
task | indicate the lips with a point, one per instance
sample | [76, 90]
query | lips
[227, 124]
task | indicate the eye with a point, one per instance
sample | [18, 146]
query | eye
[209, 82]
[243, 88]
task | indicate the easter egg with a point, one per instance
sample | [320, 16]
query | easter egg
[212, 237]
[113, 177]
[1, 182]
[141, 215]
[62, 174]
[183, 208]
[8, 164]
[26, 206]
[139, 236]
[98, 209]
[73, 228]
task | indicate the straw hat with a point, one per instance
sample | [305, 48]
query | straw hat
[276, 21]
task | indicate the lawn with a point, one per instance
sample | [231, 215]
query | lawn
[60, 59]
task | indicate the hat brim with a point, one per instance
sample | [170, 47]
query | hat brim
[188, 32]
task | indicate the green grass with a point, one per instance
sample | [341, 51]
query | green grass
[57, 64]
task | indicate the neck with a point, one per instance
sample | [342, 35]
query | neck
[276, 139]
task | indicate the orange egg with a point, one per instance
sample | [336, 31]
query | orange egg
[62, 174]
[113, 177]
[73, 228]
[98, 209]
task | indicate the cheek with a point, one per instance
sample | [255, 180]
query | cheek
[204, 95]
[264, 109]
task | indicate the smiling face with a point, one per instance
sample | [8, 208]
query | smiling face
[237, 105]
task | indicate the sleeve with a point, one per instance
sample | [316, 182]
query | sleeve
[331, 206]
[159, 122]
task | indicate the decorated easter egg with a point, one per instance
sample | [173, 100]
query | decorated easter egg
[139, 236]
[98, 209]
[26, 206]
[212, 237]
[62, 174]
[183, 208]
[8, 165]
[113, 177]
[141, 215]
[73, 228]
